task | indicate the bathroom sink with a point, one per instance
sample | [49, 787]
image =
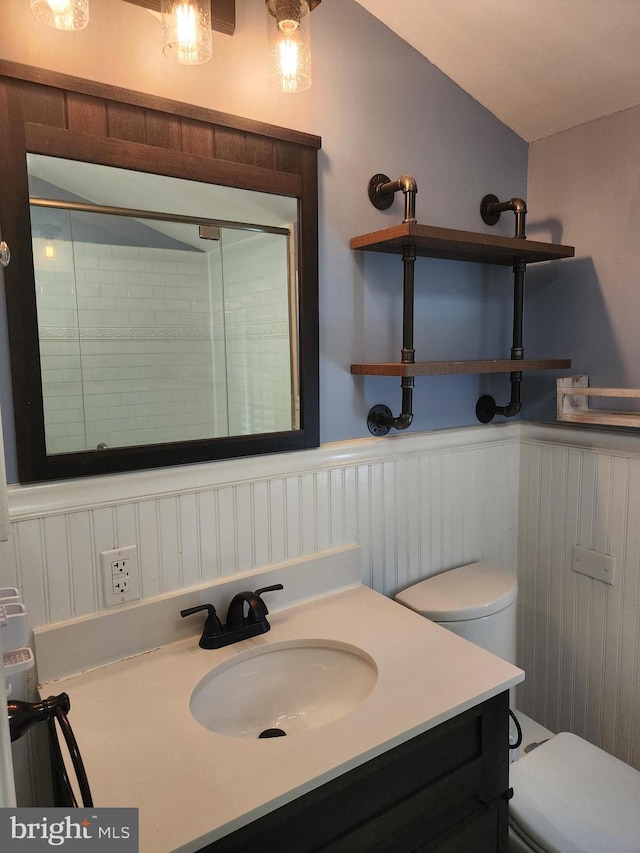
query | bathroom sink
[283, 689]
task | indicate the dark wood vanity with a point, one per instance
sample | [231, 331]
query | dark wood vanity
[444, 791]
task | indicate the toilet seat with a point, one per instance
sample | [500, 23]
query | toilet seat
[469, 592]
[571, 797]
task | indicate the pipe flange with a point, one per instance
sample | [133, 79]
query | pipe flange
[489, 217]
[486, 409]
[374, 420]
[382, 202]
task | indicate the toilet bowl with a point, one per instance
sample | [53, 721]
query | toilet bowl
[569, 796]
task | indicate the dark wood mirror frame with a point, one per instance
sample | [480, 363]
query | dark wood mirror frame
[54, 114]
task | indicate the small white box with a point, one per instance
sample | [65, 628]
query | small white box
[594, 565]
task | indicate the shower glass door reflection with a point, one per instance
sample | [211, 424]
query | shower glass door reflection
[155, 330]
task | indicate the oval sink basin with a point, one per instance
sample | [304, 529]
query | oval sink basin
[283, 689]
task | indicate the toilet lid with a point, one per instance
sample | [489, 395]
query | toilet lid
[468, 592]
[571, 797]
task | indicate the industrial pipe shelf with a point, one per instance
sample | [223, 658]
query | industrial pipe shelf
[411, 240]
[452, 368]
[453, 245]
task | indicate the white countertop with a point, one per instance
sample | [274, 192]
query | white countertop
[142, 747]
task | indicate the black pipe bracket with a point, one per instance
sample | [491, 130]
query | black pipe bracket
[379, 420]
[377, 199]
[491, 208]
[382, 190]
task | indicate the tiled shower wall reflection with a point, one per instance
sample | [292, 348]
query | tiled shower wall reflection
[128, 345]
[143, 345]
[257, 320]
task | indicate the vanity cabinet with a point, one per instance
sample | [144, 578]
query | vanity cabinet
[444, 791]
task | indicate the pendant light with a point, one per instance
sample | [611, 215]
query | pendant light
[289, 44]
[186, 30]
[49, 250]
[62, 14]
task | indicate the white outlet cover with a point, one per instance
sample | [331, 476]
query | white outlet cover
[594, 565]
[128, 554]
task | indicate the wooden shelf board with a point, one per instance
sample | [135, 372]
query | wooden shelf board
[451, 368]
[450, 244]
[573, 395]
[606, 417]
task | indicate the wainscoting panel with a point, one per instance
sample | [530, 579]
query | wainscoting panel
[416, 504]
[579, 639]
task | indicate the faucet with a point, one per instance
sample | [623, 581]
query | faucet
[238, 625]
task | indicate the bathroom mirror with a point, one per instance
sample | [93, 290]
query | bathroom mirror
[165, 324]
[162, 292]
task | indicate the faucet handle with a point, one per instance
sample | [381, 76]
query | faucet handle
[257, 613]
[212, 625]
[273, 588]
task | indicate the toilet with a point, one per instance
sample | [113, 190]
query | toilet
[569, 796]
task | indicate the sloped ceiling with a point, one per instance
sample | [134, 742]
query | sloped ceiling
[540, 66]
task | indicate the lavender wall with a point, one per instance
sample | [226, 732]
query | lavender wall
[379, 107]
[584, 189]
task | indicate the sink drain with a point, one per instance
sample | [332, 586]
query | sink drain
[272, 733]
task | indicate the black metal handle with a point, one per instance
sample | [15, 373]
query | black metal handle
[212, 625]
[190, 610]
[492, 802]
[24, 715]
[276, 586]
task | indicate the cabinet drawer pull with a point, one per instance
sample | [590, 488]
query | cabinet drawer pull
[491, 804]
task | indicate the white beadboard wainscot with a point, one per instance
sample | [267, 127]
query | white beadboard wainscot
[416, 504]
[579, 639]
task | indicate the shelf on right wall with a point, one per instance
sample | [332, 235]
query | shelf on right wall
[573, 403]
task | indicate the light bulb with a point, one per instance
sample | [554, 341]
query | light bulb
[187, 30]
[49, 250]
[289, 45]
[288, 62]
[62, 14]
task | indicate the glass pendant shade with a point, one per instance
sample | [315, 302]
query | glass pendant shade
[62, 14]
[288, 22]
[186, 30]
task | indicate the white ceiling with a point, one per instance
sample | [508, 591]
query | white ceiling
[540, 66]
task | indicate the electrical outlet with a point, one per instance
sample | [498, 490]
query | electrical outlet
[120, 575]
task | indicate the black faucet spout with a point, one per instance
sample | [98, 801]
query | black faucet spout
[256, 610]
[239, 626]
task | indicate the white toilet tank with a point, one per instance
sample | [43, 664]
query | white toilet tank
[477, 601]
